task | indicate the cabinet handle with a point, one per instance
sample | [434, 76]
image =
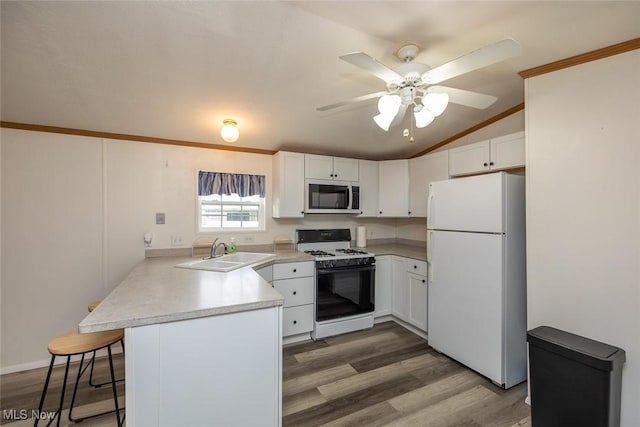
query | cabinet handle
[423, 281]
[302, 212]
[294, 270]
[331, 175]
[415, 266]
[295, 322]
[335, 175]
[380, 212]
[294, 292]
[486, 164]
[409, 212]
[490, 163]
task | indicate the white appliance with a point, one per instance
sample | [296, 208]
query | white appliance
[477, 274]
[345, 282]
[326, 196]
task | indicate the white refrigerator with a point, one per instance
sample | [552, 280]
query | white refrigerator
[477, 274]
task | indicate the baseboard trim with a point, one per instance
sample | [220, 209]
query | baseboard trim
[45, 362]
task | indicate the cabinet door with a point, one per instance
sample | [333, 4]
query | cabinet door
[469, 159]
[383, 286]
[288, 185]
[318, 167]
[393, 185]
[345, 169]
[368, 188]
[422, 171]
[418, 300]
[507, 151]
[399, 288]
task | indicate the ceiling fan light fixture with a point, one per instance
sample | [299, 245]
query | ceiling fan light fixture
[229, 131]
[384, 120]
[436, 103]
[423, 117]
[389, 105]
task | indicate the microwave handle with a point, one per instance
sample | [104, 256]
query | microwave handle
[349, 198]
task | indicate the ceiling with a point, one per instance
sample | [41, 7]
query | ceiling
[175, 70]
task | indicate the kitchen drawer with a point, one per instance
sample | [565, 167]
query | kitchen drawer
[297, 320]
[295, 291]
[291, 270]
[416, 266]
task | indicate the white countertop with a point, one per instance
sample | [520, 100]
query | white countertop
[157, 292]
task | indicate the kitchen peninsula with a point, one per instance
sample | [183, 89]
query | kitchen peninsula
[201, 346]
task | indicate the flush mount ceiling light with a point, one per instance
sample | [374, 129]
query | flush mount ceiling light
[412, 84]
[229, 131]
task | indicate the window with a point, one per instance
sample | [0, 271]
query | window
[232, 212]
[230, 201]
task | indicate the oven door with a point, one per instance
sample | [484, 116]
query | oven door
[344, 291]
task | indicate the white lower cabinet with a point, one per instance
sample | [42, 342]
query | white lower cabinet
[383, 286]
[399, 288]
[295, 281]
[408, 283]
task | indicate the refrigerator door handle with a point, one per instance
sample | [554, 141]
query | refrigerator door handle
[429, 204]
[430, 271]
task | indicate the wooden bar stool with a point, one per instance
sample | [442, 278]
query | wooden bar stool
[92, 306]
[71, 344]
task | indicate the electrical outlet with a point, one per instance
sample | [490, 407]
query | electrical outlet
[247, 239]
[176, 241]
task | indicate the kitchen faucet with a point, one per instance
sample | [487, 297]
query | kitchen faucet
[214, 249]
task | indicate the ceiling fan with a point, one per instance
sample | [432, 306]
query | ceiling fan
[415, 85]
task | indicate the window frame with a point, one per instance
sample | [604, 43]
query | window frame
[208, 230]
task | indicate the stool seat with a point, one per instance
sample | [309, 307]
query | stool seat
[92, 306]
[76, 343]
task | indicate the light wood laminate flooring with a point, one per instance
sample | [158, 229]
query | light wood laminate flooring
[383, 376]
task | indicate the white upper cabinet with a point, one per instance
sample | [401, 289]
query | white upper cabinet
[504, 152]
[422, 171]
[326, 167]
[288, 185]
[508, 151]
[368, 188]
[393, 188]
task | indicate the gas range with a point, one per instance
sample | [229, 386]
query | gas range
[332, 248]
[345, 282]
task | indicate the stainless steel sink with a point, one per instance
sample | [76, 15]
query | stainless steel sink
[226, 262]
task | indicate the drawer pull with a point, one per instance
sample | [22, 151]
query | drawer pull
[294, 270]
[415, 266]
[294, 292]
[295, 322]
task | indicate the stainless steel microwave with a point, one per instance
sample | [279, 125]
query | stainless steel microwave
[327, 196]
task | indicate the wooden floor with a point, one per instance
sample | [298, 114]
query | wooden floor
[382, 376]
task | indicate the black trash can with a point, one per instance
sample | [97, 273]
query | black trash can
[574, 381]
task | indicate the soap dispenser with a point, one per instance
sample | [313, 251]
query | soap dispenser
[232, 246]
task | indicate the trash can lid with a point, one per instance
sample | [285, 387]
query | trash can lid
[581, 349]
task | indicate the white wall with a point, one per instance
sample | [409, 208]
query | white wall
[74, 212]
[583, 207]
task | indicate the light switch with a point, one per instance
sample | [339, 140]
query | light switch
[160, 218]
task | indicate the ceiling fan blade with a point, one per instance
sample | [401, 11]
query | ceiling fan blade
[367, 63]
[465, 97]
[483, 57]
[352, 100]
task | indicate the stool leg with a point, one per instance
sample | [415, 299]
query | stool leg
[113, 386]
[75, 387]
[64, 388]
[44, 390]
[93, 362]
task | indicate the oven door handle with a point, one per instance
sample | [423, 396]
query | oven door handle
[347, 268]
